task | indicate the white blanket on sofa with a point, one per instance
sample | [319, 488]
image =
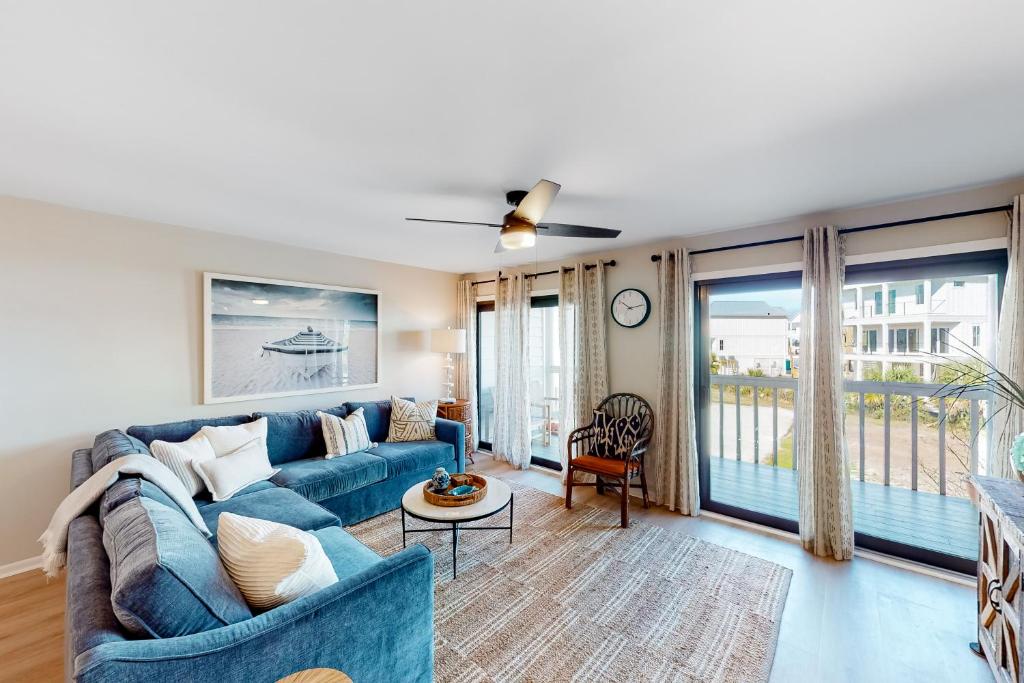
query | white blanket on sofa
[55, 538]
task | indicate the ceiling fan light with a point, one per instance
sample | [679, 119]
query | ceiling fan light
[518, 236]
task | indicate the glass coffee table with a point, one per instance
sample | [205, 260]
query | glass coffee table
[499, 496]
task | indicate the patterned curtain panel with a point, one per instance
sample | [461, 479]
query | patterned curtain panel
[823, 466]
[512, 385]
[672, 461]
[1010, 358]
[582, 335]
[465, 363]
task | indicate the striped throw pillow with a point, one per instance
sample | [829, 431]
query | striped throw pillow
[345, 435]
[271, 563]
[412, 421]
[179, 458]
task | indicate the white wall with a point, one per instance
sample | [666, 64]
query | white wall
[102, 327]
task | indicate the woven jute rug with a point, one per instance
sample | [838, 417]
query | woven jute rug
[577, 598]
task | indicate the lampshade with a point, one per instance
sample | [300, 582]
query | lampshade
[448, 341]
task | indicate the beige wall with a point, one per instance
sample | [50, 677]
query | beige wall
[102, 327]
[632, 353]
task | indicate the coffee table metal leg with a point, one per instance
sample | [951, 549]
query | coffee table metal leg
[403, 527]
[511, 515]
[455, 548]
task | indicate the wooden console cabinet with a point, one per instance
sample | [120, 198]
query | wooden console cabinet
[460, 411]
[1000, 545]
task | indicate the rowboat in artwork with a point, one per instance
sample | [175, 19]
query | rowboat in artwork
[308, 352]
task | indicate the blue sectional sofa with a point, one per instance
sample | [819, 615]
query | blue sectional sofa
[375, 624]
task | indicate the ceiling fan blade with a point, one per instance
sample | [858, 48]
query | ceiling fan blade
[567, 230]
[537, 201]
[499, 248]
[436, 220]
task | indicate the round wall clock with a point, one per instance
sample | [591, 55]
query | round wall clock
[631, 308]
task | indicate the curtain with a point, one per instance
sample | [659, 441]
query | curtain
[672, 461]
[823, 469]
[512, 384]
[1010, 357]
[583, 348]
[465, 363]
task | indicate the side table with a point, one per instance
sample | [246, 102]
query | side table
[460, 410]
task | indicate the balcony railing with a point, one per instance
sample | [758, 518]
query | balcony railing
[872, 405]
[896, 308]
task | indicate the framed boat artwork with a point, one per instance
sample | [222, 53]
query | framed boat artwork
[264, 338]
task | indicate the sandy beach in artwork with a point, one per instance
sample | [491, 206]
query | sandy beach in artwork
[243, 367]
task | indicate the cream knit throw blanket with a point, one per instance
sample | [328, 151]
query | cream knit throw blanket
[55, 538]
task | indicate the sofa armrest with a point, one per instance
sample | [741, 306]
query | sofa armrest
[376, 625]
[454, 433]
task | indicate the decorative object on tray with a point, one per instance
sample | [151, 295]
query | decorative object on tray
[460, 410]
[476, 491]
[441, 479]
[267, 338]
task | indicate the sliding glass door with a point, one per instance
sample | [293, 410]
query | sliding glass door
[544, 378]
[907, 327]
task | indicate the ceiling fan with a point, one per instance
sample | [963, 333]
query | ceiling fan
[520, 227]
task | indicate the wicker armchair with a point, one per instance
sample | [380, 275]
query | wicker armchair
[611, 472]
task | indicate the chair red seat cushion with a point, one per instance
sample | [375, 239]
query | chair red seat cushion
[609, 466]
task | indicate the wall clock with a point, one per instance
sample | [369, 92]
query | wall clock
[631, 308]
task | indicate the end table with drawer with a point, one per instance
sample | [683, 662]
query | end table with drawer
[460, 410]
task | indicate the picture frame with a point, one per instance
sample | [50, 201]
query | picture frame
[269, 338]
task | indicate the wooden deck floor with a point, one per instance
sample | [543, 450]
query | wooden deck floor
[943, 524]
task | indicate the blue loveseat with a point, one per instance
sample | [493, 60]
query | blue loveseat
[375, 624]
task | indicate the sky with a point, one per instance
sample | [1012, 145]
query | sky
[788, 299]
[233, 297]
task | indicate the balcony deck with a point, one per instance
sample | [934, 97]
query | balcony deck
[944, 524]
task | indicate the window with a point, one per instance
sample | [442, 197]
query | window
[913, 343]
[544, 355]
[901, 340]
[919, 294]
[958, 283]
[892, 302]
[870, 341]
[721, 345]
[878, 302]
[976, 336]
[940, 340]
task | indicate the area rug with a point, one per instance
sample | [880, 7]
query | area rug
[577, 598]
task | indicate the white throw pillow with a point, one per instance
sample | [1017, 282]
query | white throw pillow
[271, 563]
[345, 435]
[232, 437]
[412, 421]
[227, 475]
[178, 457]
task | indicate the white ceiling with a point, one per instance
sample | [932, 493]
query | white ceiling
[323, 124]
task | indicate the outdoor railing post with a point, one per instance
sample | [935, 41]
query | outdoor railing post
[942, 446]
[913, 443]
[861, 416]
[974, 435]
[757, 427]
[721, 420]
[739, 402]
[775, 426]
[887, 423]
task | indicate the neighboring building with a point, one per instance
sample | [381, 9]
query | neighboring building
[907, 322]
[749, 335]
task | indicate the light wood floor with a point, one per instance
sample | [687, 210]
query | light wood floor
[844, 621]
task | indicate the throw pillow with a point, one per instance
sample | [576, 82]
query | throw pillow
[345, 435]
[271, 563]
[227, 475]
[165, 578]
[615, 435]
[412, 421]
[179, 458]
[230, 438]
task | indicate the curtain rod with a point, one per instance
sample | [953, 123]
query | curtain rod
[864, 228]
[610, 264]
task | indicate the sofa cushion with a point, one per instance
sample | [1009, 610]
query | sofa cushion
[377, 415]
[206, 498]
[113, 444]
[166, 579]
[319, 479]
[410, 456]
[176, 432]
[128, 488]
[348, 555]
[273, 504]
[296, 435]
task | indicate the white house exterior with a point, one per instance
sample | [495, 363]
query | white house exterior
[905, 322]
[749, 335]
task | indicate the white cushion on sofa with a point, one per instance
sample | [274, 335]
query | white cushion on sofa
[228, 474]
[230, 438]
[179, 457]
[271, 563]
